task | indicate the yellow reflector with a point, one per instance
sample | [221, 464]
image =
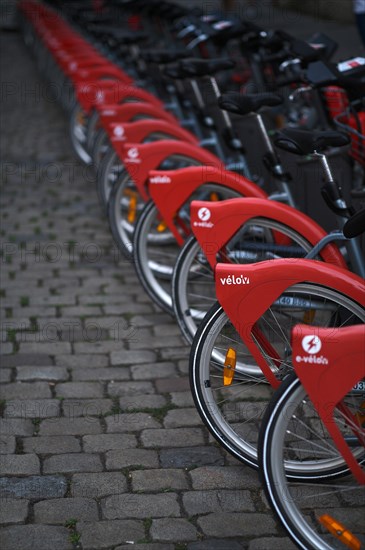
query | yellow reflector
[229, 367]
[340, 532]
[161, 227]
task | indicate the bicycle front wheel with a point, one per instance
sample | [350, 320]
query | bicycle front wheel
[156, 249]
[78, 125]
[193, 286]
[233, 412]
[294, 432]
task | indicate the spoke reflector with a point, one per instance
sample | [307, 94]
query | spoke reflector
[309, 316]
[229, 367]
[340, 532]
[161, 227]
[132, 209]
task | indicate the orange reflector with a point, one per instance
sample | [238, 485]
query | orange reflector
[340, 532]
[214, 197]
[229, 367]
[80, 118]
[161, 227]
[308, 317]
[132, 210]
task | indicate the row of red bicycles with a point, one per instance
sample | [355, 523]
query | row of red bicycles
[159, 98]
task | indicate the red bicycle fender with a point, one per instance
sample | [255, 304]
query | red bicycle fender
[119, 94]
[228, 216]
[91, 93]
[246, 291]
[329, 362]
[107, 71]
[125, 112]
[170, 189]
[138, 131]
[139, 160]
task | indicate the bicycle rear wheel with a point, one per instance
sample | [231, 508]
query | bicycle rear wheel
[295, 433]
[233, 413]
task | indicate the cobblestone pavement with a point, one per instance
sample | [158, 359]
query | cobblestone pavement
[101, 445]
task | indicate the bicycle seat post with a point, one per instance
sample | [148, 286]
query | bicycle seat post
[342, 210]
[273, 162]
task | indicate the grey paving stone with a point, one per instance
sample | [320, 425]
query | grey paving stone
[126, 308]
[13, 510]
[130, 422]
[153, 371]
[26, 359]
[51, 445]
[32, 408]
[103, 373]
[168, 385]
[182, 417]
[172, 529]
[132, 357]
[159, 480]
[7, 444]
[81, 311]
[6, 348]
[107, 346]
[182, 399]
[106, 442]
[79, 389]
[25, 390]
[274, 543]
[27, 464]
[188, 457]
[155, 342]
[177, 437]
[58, 511]
[70, 426]
[63, 300]
[127, 458]
[145, 401]
[5, 375]
[33, 487]
[52, 374]
[140, 506]
[230, 477]
[203, 502]
[29, 537]
[221, 544]
[173, 354]
[107, 534]
[98, 485]
[82, 361]
[46, 348]
[87, 408]
[102, 299]
[147, 546]
[129, 389]
[233, 524]
[73, 462]
[167, 329]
